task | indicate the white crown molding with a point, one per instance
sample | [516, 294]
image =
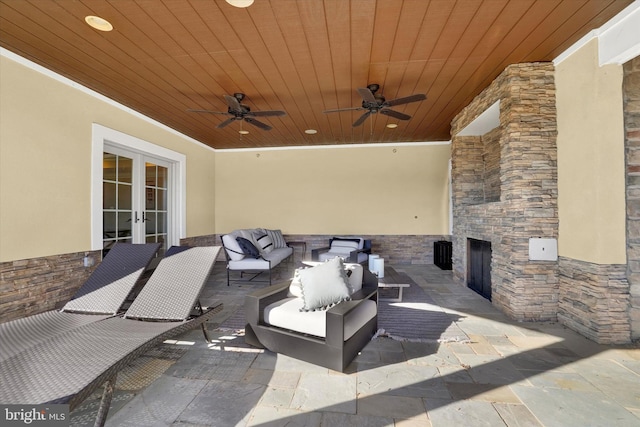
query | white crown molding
[620, 42]
[334, 146]
[618, 39]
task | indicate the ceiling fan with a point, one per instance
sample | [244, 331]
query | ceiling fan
[239, 111]
[374, 103]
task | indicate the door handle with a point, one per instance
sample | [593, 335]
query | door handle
[136, 219]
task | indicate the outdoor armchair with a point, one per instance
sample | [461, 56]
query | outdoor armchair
[350, 249]
[331, 336]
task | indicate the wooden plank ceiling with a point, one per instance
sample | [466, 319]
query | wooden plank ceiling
[300, 56]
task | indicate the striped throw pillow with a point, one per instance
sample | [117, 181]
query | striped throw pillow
[265, 244]
[277, 238]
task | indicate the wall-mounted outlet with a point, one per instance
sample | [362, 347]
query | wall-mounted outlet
[88, 261]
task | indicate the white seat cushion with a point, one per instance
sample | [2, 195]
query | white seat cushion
[345, 244]
[359, 240]
[286, 314]
[249, 264]
[362, 257]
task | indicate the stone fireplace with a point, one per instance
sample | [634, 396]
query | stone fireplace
[504, 188]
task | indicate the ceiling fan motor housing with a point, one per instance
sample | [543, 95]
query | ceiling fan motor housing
[244, 109]
[374, 105]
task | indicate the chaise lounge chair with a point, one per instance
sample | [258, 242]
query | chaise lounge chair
[70, 366]
[101, 296]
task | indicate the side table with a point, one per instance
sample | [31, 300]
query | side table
[300, 244]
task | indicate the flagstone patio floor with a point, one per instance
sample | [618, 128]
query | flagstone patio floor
[507, 374]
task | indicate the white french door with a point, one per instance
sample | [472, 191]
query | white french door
[136, 198]
[138, 191]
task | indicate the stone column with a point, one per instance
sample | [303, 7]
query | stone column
[505, 189]
[631, 88]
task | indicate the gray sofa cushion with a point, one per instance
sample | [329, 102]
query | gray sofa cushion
[267, 261]
[277, 255]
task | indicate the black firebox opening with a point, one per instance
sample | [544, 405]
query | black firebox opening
[479, 267]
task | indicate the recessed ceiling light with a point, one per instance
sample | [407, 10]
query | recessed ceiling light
[240, 3]
[392, 125]
[310, 131]
[243, 132]
[98, 23]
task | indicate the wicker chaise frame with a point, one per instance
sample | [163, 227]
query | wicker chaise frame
[71, 365]
[101, 296]
[333, 352]
[117, 358]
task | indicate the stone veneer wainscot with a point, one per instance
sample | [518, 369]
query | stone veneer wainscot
[396, 249]
[31, 286]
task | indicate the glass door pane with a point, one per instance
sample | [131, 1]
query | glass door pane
[117, 199]
[156, 206]
[136, 199]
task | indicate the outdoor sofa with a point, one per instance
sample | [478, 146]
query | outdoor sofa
[254, 251]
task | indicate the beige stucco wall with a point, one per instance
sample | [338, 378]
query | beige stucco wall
[591, 180]
[45, 164]
[396, 189]
[45, 176]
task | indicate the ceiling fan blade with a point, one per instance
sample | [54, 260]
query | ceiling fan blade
[343, 109]
[206, 111]
[233, 103]
[407, 99]
[257, 123]
[395, 114]
[226, 123]
[366, 94]
[362, 118]
[268, 113]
